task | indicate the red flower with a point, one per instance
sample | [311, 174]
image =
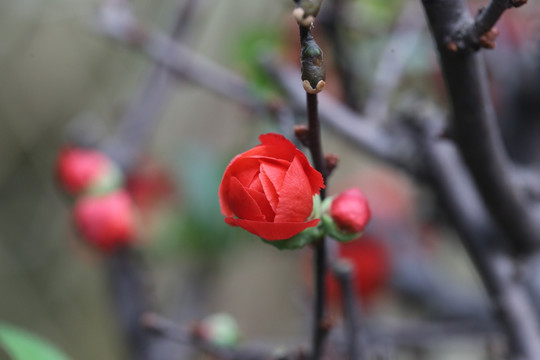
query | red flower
[107, 221]
[78, 169]
[350, 211]
[371, 264]
[269, 189]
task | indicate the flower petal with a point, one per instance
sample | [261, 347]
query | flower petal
[275, 146]
[241, 169]
[295, 198]
[269, 188]
[245, 169]
[263, 203]
[272, 231]
[241, 202]
[316, 181]
[275, 172]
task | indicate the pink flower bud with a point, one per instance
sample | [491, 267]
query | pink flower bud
[350, 211]
[107, 222]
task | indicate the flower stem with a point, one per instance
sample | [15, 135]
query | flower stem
[319, 261]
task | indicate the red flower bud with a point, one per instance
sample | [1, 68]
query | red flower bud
[108, 221]
[350, 211]
[78, 169]
[269, 189]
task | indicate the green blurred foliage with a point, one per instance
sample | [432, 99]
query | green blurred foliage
[198, 229]
[22, 345]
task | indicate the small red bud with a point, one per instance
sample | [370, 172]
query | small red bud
[107, 222]
[77, 169]
[350, 211]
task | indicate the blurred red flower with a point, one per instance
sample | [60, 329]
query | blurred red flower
[107, 221]
[269, 189]
[371, 263]
[78, 169]
[149, 185]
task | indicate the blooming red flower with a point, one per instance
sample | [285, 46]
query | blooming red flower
[371, 268]
[106, 222]
[350, 211]
[269, 189]
[78, 169]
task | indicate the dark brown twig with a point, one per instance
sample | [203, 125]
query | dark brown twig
[475, 129]
[163, 327]
[344, 273]
[511, 303]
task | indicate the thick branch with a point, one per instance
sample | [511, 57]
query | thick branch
[474, 127]
[496, 271]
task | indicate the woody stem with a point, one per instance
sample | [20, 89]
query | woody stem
[319, 262]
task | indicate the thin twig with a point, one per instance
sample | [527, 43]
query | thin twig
[161, 326]
[319, 330]
[377, 140]
[141, 114]
[128, 288]
[391, 65]
[344, 273]
[488, 17]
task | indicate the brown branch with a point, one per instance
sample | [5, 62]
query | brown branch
[163, 327]
[183, 62]
[380, 141]
[313, 69]
[475, 129]
[461, 202]
[343, 271]
[141, 114]
[401, 45]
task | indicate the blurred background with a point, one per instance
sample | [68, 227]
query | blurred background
[64, 79]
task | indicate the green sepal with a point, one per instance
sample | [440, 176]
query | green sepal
[333, 231]
[300, 240]
[330, 226]
[111, 180]
[223, 329]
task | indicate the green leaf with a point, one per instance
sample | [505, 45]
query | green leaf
[22, 345]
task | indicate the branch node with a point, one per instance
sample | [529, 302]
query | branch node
[332, 161]
[311, 90]
[518, 3]
[302, 134]
[299, 14]
[452, 46]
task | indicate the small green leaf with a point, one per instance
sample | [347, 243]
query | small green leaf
[22, 345]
